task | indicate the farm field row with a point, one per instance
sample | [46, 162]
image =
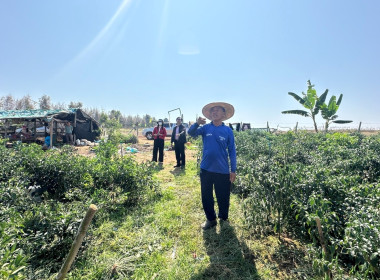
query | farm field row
[148, 223]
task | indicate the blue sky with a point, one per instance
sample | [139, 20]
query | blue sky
[141, 56]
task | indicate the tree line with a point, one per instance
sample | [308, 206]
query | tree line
[9, 102]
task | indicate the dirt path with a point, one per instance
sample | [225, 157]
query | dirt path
[162, 239]
[144, 151]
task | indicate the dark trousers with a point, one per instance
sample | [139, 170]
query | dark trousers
[179, 152]
[158, 147]
[222, 185]
[69, 138]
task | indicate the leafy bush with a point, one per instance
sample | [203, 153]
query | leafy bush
[38, 235]
[117, 137]
[289, 180]
[12, 258]
[362, 233]
[131, 139]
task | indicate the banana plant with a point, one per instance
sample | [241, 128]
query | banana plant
[309, 101]
[328, 111]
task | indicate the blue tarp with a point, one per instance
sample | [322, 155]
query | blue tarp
[33, 114]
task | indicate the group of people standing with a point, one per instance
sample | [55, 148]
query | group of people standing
[178, 140]
[218, 166]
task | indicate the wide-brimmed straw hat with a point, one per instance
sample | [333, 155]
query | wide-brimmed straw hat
[229, 109]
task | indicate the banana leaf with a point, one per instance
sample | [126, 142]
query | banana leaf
[342, 121]
[296, 112]
[296, 97]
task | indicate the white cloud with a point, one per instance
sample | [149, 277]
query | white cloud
[188, 50]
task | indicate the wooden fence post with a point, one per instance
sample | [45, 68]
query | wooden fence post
[77, 242]
[5, 128]
[360, 125]
[296, 128]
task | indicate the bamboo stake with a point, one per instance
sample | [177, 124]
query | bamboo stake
[77, 242]
[323, 243]
[321, 235]
[121, 150]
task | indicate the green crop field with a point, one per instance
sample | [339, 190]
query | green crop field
[291, 182]
[148, 222]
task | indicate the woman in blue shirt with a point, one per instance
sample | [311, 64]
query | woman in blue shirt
[218, 166]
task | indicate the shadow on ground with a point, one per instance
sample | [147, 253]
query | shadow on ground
[178, 171]
[229, 257]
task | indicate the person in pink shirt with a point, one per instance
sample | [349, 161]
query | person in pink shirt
[159, 134]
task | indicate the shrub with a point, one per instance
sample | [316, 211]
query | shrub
[131, 139]
[289, 180]
[117, 138]
[43, 232]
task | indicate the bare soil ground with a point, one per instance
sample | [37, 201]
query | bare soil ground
[369, 132]
[145, 151]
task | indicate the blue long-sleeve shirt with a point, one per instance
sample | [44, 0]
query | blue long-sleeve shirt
[218, 145]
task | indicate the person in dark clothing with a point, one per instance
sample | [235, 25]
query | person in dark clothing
[218, 166]
[179, 140]
[159, 134]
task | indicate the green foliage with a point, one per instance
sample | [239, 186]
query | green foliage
[362, 234]
[110, 123]
[117, 137]
[314, 104]
[40, 227]
[131, 139]
[289, 180]
[12, 258]
[309, 101]
[198, 143]
[328, 111]
[106, 149]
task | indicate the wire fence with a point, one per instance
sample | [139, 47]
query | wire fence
[362, 126]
